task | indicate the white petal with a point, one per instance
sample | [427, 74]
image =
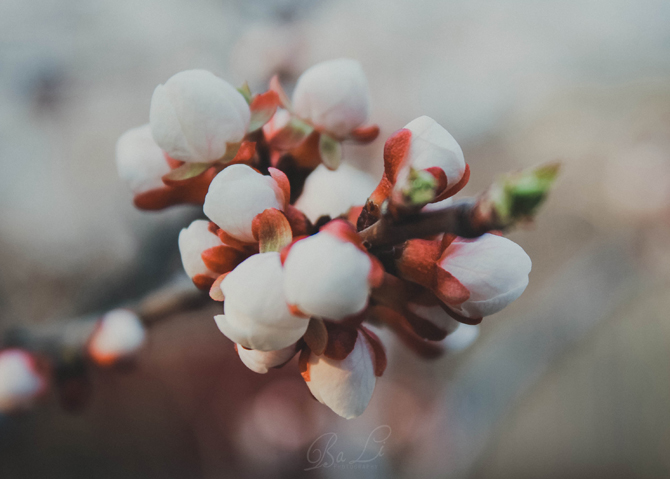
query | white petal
[139, 160]
[119, 335]
[344, 386]
[493, 268]
[195, 114]
[262, 361]
[192, 242]
[332, 193]
[433, 146]
[237, 195]
[464, 336]
[327, 277]
[20, 382]
[255, 311]
[333, 95]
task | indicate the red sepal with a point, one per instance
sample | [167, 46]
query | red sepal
[263, 107]
[364, 134]
[203, 282]
[215, 291]
[425, 328]
[376, 275]
[295, 311]
[441, 178]
[417, 261]
[449, 289]
[192, 191]
[396, 150]
[400, 326]
[272, 230]
[457, 187]
[460, 318]
[234, 242]
[341, 340]
[282, 181]
[222, 259]
[300, 224]
[377, 350]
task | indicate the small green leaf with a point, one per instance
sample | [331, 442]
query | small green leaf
[186, 172]
[331, 151]
[519, 195]
[245, 91]
[419, 188]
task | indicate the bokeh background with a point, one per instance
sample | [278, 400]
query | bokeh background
[572, 380]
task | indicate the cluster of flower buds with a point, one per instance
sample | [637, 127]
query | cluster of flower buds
[58, 359]
[299, 273]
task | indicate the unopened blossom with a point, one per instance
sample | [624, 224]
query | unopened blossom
[195, 115]
[431, 146]
[256, 314]
[328, 192]
[119, 335]
[192, 242]
[262, 361]
[20, 380]
[327, 276]
[346, 385]
[237, 195]
[333, 96]
[492, 268]
[139, 160]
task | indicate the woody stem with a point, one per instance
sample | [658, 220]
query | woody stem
[467, 218]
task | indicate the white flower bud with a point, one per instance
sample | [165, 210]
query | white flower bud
[256, 315]
[139, 160]
[261, 361]
[118, 336]
[327, 277]
[344, 386]
[494, 269]
[333, 95]
[431, 146]
[192, 242]
[237, 195]
[20, 381]
[195, 114]
[332, 193]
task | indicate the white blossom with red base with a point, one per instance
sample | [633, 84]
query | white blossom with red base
[21, 381]
[196, 115]
[237, 195]
[334, 96]
[329, 275]
[493, 269]
[431, 148]
[344, 376]
[118, 337]
[256, 314]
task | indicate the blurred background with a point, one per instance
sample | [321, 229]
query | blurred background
[572, 380]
